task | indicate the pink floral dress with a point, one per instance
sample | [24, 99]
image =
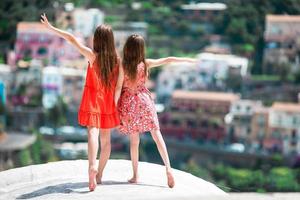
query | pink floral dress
[136, 106]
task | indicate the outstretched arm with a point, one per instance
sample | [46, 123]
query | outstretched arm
[85, 51]
[119, 84]
[167, 60]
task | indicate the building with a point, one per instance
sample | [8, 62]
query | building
[64, 82]
[284, 124]
[52, 86]
[204, 13]
[79, 20]
[209, 73]
[6, 76]
[124, 30]
[282, 36]
[72, 87]
[34, 41]
[87, 20]
[218, 65]
[2, 106]
[197, 115]
[184, 76]
[238, 120]
[260, 129]
[10, 144]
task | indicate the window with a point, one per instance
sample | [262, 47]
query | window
[175, 122]
[42, 38]
[261, 134]
[42, 51]
[26, 38]
[27, 53]
[248, 130]
[204, 123]
[248, 108]
[294, 138]
[295, 120]
[191, 123]
[276, 134]
[178, 84]
[294, 135]
[279, 120]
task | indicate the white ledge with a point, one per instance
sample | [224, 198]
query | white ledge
[68, 180]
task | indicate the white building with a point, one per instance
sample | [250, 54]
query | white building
[5, 74]
[87, 20]
[218, 64]
[245, 107]
[52, 85]
[183, 76]
[73, 82]
[204, 6]
[122, 31]
[210, 71]
[64, 82]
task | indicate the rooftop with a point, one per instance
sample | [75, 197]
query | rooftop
[31, 27]
[283, 18]
[16, 141]
[286, 107]
[211, 96]
[204, 6]
[68, 180]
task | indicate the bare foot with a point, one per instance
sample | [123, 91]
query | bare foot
[92, 178]
[133, 180]
[171, 181]
[98, 179]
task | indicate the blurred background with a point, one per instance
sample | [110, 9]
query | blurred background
[233, 118]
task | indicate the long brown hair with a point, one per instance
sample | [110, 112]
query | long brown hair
[106, 55]
[133, 54]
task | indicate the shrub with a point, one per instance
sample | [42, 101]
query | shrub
[24, 157]
[283, 179]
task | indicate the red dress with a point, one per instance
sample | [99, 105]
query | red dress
[97, 107]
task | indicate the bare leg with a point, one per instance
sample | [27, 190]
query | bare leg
[104, 152]
[161, 146]
[134, 154]
[93, 145]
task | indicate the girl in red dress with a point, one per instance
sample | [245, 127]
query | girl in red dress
[97, 110]
[136, 106]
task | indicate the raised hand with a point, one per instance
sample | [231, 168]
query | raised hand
[45, 21]
[85, 51]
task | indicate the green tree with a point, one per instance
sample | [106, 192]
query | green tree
[283, 179]
[24, 158]
[197, 170]
[42, 151]
[242, 179]
[14, 11]
[57, 114]
[283, 70]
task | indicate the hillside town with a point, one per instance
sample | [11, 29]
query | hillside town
[214, 104]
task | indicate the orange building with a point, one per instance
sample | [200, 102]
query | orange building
[197, 115]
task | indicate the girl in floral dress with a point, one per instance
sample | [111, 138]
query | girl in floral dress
[97, 110]
[136, 106]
